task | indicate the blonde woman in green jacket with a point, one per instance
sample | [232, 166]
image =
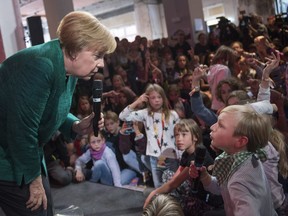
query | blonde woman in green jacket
[36, 88]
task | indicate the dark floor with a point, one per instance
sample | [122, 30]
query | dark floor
[96, 199]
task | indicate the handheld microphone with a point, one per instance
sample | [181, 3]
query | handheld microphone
[97, 95]
[200, 153]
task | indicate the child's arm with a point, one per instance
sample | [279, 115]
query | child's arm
[197, 106]
[266, 81]
[79, 176]
[125, 143]
[178, 178]
[209, 182]
[80, 162]
[125, 115]
[142, 99]
[140, 140]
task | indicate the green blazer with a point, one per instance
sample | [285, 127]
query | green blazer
[35, 99]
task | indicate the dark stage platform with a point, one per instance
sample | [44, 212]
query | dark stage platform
[98, 200]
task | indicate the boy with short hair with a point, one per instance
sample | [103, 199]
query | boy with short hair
[111, 122]
[238, 173]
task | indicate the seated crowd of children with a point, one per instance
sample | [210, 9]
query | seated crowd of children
[161, 103]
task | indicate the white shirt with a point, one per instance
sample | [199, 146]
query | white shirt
[160, 137]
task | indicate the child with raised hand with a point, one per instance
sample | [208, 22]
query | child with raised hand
[276, 148]
[188, 137]
[276, 164]
[238, 173]
[265, 93]
[105, 167]
[159, 123]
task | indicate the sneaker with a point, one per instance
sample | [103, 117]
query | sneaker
[134, 181]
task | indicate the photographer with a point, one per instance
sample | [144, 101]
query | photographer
[244, 26]
[257, 27]
[228, 31]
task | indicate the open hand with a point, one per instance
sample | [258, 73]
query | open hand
[271, 64]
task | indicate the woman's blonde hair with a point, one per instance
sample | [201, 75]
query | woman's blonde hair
[165, 107]
[79, 30]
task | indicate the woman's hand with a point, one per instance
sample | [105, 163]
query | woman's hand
[37, 195]
[85, 126]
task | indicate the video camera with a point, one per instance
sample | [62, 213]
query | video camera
[281, 20]
[223, 22]
[228, 31]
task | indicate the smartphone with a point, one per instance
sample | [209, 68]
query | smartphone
[129, 128]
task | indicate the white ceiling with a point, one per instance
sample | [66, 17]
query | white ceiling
[36, 7]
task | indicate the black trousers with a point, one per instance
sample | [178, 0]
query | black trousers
[13, 199]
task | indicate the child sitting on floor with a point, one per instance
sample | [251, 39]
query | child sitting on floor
[188, 137]
[105, 167]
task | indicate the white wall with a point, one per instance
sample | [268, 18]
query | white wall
[11, 27]
[230, 8]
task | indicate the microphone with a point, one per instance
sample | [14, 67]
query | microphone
[200, 153]
[97, 95]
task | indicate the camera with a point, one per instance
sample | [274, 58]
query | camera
[223, 22]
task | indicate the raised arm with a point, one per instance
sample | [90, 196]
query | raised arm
[197, 106]
[125, 115]
[266, 81]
